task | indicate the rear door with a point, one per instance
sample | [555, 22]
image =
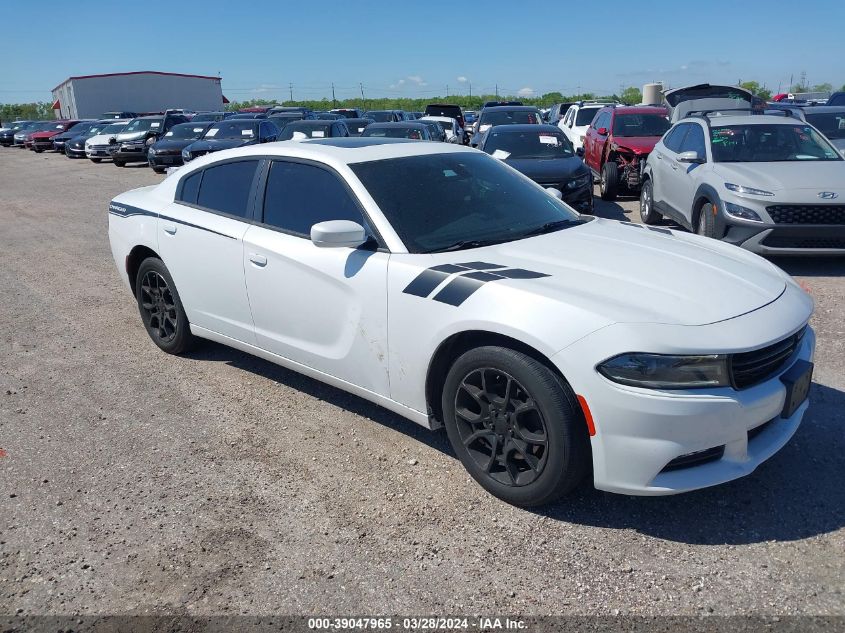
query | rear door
[664, 165]
[325, 308]
[200, 238]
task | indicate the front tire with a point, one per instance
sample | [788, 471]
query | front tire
[647, 213]
[706, 222]
[609, 185]
[161, 308]
[515, 425]
[119, 163]
[96, 160]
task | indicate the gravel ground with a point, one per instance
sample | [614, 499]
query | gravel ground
[136, 482]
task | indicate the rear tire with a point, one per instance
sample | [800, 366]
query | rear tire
[515, 425]
[609, 185]
[119, 163]
[647, 213]
[158, 170]
[161, 308]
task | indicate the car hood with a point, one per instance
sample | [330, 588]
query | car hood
[818, 175]
[172, 144]
[637, 144]
[100, 139]
[628, 273]
[548, 168]
[214, 145]
[131, 136]
[45, 134]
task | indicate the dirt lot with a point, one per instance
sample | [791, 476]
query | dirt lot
[136, 482]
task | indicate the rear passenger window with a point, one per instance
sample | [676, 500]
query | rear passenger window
[299, 196]
[190, 188]
[226, 188]
[694, 142]
[675, 137]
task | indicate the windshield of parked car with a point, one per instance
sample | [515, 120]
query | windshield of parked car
[206, 116]
[452, 201]
[96, 128]
[114, 128]
[186, 131]
[238, 128]
[80, 128]
[379, 117]
[831, 124]
[585, 116]
[143, 125]
[640, 125]
[346, 114]
[508, 117]
[769, 143]
[528, 145]
[301, 129]
[446, 125]
[394, 132]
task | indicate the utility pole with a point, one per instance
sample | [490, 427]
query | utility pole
[497, 90]
[334, 101]
[470, 90]
[361, 85]
[447, 90]
[290, 85]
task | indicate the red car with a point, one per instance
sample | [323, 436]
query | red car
[39, 141]
[618, 143]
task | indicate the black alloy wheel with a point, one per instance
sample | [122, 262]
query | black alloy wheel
[158, 307]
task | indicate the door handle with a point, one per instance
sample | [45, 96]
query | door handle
[674, 166]
[169, 228]
[659, 155]
[258, 260]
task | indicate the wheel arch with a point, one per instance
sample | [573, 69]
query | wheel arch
[706, 193]
[133, 262]
[456, 344]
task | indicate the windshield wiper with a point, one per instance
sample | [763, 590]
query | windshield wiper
[549, 227]
[464, 244]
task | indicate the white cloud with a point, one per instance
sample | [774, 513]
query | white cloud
[265, 88]
[525, 92]
[462, 79]
[417, 80]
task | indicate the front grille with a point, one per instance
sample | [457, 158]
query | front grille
[807, 213]
[98, 148]
[750, 368]
[695, 459]
[779, 241]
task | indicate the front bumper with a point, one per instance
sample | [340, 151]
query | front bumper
[775, 239]
[580, 199]
[43, 145]
[74, 152]
[99, 152]
[639, 432]
[165, 160]
[131, 154]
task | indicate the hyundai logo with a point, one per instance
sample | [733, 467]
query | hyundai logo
[828, 195]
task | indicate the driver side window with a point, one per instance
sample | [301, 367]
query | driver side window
[694, 141]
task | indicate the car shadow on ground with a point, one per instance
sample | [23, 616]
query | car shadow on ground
[796, 494]
[811, 266]
[610, 210]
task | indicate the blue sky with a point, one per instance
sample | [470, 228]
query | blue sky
[418, 48]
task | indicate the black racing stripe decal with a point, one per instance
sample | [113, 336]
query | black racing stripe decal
[449, 268]
[480, 265]
[425, 282]
[125, 210]
[520, 273]
[460, 288]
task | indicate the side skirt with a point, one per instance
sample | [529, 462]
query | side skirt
[406, 412]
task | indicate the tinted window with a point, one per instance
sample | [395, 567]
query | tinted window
[299, 196]
[831, 124]
[694, 141]
[190, 188]
[509, 117]
[675, 137]
[769, 143]
[225, 188]
[585, 115]
[528, 145]
[640, 125]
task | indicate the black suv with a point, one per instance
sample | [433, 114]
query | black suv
[139, 134]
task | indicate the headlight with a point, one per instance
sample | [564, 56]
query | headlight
[749, 190]
[186, 155]
[151, 152]
[743, 213]
[580, 181]
[661, 371]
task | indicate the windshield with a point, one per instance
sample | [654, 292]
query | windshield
[347, 114]
[238, 128]
[207, 116]
[769, 143]
[584, 116]
[114, 128]
[96, 128]
[528, 145]
[508, 117]
[185, 131]
[143, 125]
[394, 132]
[831, 124]
[379, 117]
[446, 125]
[640, 125]
[299, 131]
[441, 201]
[80, 128]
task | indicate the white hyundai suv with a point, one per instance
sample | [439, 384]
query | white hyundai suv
[770, 184]
[444, 285]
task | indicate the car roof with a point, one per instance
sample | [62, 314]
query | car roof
[748, 119]
[510, 109]
[525, 127]
[640, 109]
[398, 124]
[820, 109]
[313, 122]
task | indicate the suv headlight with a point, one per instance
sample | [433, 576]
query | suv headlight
[151, 151]
[580, 181]
[186, 155]
[663, 371]
[749, 190]
[743, 213]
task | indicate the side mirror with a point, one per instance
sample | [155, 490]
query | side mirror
[689, 157]
[335, 233]
[554, 192]
[602, 131]
[579, 152]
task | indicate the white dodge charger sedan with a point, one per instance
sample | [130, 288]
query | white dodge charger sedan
[440, 283]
